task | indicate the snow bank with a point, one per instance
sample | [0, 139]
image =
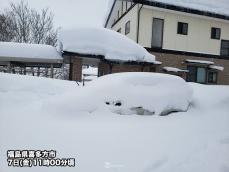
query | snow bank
[19, 83]
[196, 140]
[221, 7]
[105, 42]
[11, 51]
[132, 93]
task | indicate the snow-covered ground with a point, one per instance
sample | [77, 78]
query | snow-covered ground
[102, 141]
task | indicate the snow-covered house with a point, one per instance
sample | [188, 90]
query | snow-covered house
[177, 30]
[22, 56]
[110, 51]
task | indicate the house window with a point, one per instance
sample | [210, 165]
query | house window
[191, 77]
[127, 28]
[119, 30]
[196, 74]
[126, 5]
[114, 21]
[224, 48]
[215, 33]
[182, 28]
[118, 14]
[212, 77]
[201, 75]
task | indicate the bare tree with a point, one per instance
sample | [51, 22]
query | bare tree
[42, 30]
[29, 26]
[6, 33]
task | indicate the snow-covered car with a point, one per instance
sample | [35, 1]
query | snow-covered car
[136, 93]
[128, 93]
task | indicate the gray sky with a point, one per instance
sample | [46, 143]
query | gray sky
[71, 13]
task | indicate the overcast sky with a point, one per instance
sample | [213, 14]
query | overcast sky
[71, 13]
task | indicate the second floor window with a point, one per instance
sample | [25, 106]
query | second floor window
[224, 48]
[127, 28]
[182, 28]
[215, 33]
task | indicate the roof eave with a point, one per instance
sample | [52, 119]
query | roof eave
[182, 9]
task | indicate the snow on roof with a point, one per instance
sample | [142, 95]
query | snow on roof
[200, 61]
[220, 68]
[105, 42]
[11, 51]
[173, 69]
[218, 7]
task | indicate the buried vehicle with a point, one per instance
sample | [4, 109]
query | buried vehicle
[140, 93]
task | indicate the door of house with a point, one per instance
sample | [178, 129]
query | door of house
[157, 32]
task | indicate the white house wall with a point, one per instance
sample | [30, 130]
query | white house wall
[118, 7]
[132, 17]
[199, 31]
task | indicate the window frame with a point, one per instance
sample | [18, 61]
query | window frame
[180, 28]
[196, 74]
[205, 74]
[127, 27]
[212, 82]
[227, 48]
[214, 33]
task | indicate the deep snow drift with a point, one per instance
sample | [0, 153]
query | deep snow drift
[101, 141]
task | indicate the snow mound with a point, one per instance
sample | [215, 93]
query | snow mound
[132, 93]
[105, 42]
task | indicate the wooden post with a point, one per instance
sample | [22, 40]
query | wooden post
[38, 71]
[13, 69]
[9, 67]
[32, 70]
[46, 72]
[51, 70]
[20, 70]
[25, 70]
